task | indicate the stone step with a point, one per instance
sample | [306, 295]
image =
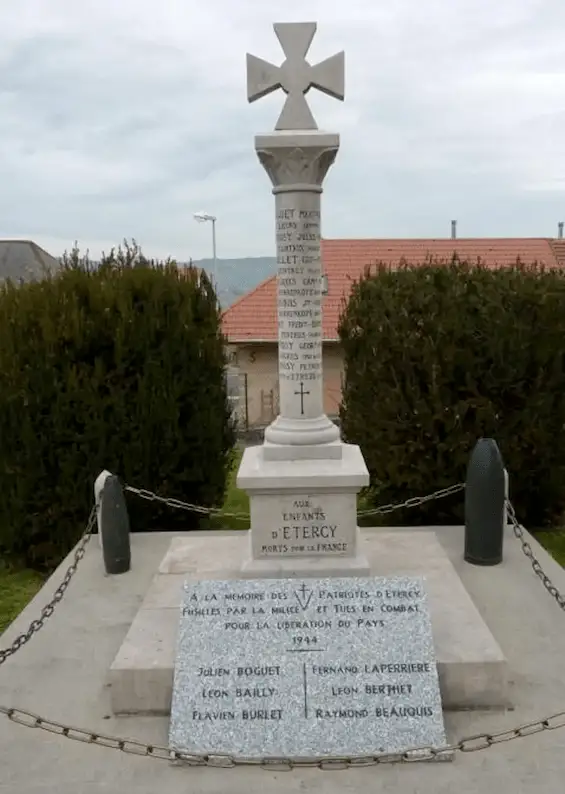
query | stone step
[473, 672]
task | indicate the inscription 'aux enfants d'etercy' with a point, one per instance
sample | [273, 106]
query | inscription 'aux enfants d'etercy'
[303, 511]
[305, 522]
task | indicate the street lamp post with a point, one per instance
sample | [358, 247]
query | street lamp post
[202, 217]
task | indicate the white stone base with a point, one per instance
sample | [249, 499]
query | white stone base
[292, 434]
[303, 508]
[331, 451]
[472, 670]
[348, 472]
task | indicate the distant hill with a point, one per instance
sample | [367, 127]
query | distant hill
[24, 259]
[236, 277]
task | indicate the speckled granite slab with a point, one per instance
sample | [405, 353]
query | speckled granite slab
[305, 669]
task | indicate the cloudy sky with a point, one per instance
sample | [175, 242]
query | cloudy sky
[121, 118]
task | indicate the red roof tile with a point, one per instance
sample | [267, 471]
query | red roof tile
[558, 248]
[254, 316]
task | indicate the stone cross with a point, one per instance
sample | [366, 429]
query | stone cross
[296, 76]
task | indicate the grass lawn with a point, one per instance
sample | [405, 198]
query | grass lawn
[236, 501]
[17, 588]
[554, 543]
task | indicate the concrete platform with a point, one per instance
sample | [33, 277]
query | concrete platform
[62, 674]
[473, 672]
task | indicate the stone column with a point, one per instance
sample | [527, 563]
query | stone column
[297, 163]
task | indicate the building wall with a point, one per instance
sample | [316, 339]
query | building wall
[333, 375]
[257, 365]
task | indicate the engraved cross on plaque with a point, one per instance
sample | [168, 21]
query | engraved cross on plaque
[296, 76]
[302, 393]
[305, 596]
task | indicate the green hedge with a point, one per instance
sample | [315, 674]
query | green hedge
[119, 367]
[440, 354]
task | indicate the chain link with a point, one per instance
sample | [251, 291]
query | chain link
[528, 551]
[467, 744]
[49, 608]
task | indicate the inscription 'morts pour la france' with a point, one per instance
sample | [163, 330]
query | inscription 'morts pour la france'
[305, 668]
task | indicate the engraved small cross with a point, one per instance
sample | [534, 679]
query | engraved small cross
[302, 393]
[303, 589]
[296, 76]
[306, 596]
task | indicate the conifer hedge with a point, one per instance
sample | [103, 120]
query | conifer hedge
[117, 367]
[440, 354]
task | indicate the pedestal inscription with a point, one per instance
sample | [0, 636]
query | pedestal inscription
[304, 525]
[304, 669]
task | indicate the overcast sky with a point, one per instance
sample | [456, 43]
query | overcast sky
[121, 118]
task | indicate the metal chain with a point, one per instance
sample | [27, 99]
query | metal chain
[468, 744]
[49, 608]
[528, 551]
[414, 501]
[178, 504]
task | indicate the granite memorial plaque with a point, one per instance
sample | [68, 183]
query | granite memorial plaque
[305, 668]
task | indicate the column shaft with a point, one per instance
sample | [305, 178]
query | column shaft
[299, 304]
[297, 163]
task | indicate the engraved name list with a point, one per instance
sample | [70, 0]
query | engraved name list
[299, 308]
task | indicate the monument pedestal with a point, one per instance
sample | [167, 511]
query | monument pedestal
[303, 512]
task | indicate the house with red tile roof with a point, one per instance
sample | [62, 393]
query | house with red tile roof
[250, 324]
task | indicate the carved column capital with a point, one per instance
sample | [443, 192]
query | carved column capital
[298, 161]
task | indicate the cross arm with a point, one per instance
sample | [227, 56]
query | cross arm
[262, 78]
[329, 76]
